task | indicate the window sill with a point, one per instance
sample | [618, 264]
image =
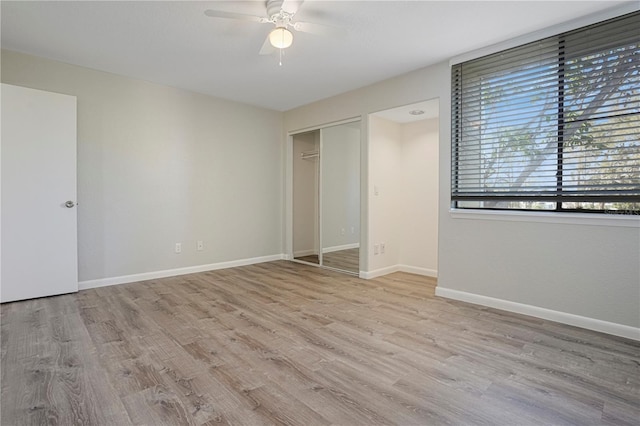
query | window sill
[593, 219]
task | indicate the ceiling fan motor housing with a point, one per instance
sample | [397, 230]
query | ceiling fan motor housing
[274, 8]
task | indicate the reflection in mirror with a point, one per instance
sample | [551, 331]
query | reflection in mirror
[306, 168]
[340, 216]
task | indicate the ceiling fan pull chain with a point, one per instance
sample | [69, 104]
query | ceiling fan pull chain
[280, 63]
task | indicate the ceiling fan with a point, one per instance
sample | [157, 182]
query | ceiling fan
[280, 13]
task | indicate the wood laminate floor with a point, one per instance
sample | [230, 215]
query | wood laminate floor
[285, 343]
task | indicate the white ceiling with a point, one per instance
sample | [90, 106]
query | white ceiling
[407, 113]
[174, 43]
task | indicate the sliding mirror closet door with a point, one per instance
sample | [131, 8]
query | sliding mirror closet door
[340, 196]
[326, 197]
[306, 203]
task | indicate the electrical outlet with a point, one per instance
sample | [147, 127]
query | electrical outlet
[178, 247]
[353, 229]
[342, 231]
[376, 249]
[381, 248]
[199, 245]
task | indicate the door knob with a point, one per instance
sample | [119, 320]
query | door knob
[69, 204]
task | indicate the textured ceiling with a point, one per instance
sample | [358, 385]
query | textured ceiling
[174, 43]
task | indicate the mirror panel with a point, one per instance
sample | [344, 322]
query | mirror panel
[340, 200]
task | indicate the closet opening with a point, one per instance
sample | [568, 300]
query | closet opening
[403, 190]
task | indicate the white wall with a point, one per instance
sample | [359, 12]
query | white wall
[158, 165]
[403, 167]
[587, 269]
[385, 207]
[419, 192]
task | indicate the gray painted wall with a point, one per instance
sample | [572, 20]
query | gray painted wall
[158, 165]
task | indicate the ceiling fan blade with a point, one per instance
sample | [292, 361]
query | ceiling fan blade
[232, 15]
[321, 30]
[292, 6]
[267, 47]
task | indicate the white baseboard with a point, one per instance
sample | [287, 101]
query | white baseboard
[398, 268]
[379, 272]
[103, 282]
[419, 271]
[342, 247]
[548, 314]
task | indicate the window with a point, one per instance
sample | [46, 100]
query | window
[551, 125]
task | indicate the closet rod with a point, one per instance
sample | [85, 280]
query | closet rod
[309, 154]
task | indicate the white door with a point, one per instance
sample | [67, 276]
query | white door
[38, 194]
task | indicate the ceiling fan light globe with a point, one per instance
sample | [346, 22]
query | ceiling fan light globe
[280, 38]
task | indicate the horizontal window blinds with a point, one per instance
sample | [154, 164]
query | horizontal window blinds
[555, 120]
